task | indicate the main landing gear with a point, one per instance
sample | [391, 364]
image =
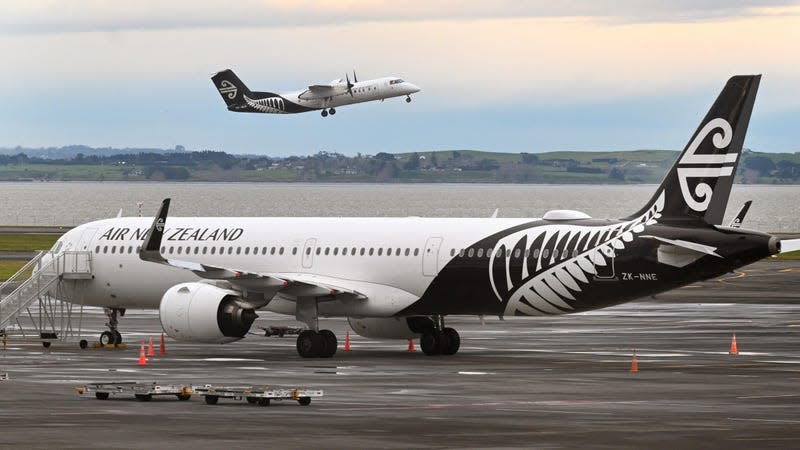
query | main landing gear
[440, 340]
[112, 336]
[317, 344]
[330, 111]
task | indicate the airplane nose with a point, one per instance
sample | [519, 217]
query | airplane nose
[413, 87]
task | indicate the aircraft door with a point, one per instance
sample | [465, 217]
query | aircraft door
[430, 257]
[604, 262]
[308, 253]
[86, 239]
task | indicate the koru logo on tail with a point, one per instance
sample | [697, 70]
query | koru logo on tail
[160, 225]
[693, 165]
[228, 89]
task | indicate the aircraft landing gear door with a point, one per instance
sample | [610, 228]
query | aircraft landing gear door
[308, 253]
[430, 257]
[603, 261]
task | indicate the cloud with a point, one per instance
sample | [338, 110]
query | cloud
[57, 16]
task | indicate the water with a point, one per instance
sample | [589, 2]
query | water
[775, 208]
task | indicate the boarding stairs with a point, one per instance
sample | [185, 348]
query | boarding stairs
[49, 272]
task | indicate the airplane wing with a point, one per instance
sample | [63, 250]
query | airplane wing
[686, 245]
[291, 285]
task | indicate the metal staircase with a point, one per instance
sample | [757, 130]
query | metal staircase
[49, 272]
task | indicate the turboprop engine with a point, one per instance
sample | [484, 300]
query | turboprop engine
[391, 327]
[201, 312]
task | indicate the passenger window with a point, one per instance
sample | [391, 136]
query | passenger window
[545, 254]
[130, 249]
[327, 250]
[280, 251]
[452, 252]
[471, 252]
[179, 250]
[370, 251]
[397, 252]
[416, 252]
[344, 251]
[388, 252]
[139, 249]
[196, 249]
[230, 250]
[527, 252]
[97, 249]
[247, 250]
[319, 250]
[555, 253]
[308, 250]
[263, 250]
[380, 251]
[362, 251]
[213, 250]
[294, 250]
[517, 252]
[335, 251]
[238, 250]
[169, 251]
[272, 251]
[205, 249]
[575, 253]
[113, 249]
[480, 253]
[105, 249]
[461, 253]
[536, 253]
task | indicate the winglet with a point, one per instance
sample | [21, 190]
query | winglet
[151, 249]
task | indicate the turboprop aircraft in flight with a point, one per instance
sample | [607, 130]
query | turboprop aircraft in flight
[326, 97]
[401, 277]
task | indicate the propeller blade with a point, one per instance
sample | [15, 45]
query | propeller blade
[355, 78]
[349, 85]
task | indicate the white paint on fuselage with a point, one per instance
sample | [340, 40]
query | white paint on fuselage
[122, 280]
[363, 91]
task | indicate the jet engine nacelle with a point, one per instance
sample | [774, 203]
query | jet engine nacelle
[201, 312]
[391, 328]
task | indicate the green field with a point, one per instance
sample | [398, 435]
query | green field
[9, 267]
[24, 242]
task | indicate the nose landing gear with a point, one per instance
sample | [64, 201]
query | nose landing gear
[112, 336]
[408, 99]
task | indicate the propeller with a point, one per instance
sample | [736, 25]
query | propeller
[349, 84]
[355, 78]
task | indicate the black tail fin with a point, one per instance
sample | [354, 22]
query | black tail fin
[230, 87]
[699, 184]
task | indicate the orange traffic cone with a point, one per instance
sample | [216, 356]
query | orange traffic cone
[142, 358]
[347, 341]
[734, 350]
[162, 348]
[411, 344]
[634, 363]
[150, 352]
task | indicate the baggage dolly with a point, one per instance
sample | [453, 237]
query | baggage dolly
[141, 391]
[256, 394]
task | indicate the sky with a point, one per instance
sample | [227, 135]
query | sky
[502, 75]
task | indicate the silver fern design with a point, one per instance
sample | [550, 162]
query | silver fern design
[273, 105]
[540, 270]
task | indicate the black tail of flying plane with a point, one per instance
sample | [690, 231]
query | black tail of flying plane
[699, 184]
[231, 88]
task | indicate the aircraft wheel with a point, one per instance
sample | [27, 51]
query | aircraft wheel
[144, 397]
[212, 399]
[107, 338]
[430, 343]
[83, 344]
[263, 402]
[452, 341]
[252, 400]
[332, 111]
[117, 337]
[101, 395]
[304, 401]
[408, 99]
[329, 343]
[324, 113]
[309, 344]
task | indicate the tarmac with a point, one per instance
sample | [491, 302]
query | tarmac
[549, 382]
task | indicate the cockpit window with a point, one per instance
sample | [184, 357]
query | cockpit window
[396, 81]
[57, 246]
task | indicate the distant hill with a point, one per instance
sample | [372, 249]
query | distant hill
[71, 151]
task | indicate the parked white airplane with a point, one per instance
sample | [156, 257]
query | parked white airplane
[325, 97]
[399, 277]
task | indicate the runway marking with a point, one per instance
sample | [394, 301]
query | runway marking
[764, 420]
[738, 275]
[769, 396]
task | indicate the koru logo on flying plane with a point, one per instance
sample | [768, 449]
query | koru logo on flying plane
[228, 89]
[693, 165]
[160, 225]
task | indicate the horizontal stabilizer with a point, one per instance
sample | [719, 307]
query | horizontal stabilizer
[790, 245]
[693, 246]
